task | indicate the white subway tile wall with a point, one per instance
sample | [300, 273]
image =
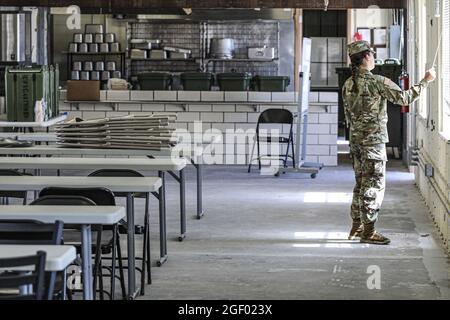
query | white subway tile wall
[200, 107]
[189, 95]
[165, 95]
[260, 96]
[236, 96]
[212, 96]
[118, 95]
[130, 107]
[153, 107]
[223, 107]
[104, 107]
[225, 111]
[141, 95]
[283, 96]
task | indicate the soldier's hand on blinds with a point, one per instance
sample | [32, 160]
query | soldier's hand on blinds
[430, 75]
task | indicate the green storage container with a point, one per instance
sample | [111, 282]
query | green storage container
[390, 71]
[155, 80]
[26, 85]
[198, 81]
[234, 81]
[270, 83]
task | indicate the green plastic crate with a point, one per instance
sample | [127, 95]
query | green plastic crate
[155, 81]
[197, 81]
[26, 85]
[270, 83]
[234, 81]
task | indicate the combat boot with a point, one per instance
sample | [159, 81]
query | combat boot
[370, 235]
[357, 229]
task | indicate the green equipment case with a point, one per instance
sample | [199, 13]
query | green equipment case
[155, 80]
[26, 85]
[197, 81]
[234, 81]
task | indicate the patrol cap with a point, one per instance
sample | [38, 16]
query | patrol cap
[358, 46]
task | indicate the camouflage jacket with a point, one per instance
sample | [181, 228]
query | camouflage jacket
[366, 109]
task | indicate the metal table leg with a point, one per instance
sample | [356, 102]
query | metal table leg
[198, 166]
[162, 221]
[86, 256]
[181, 179]
[132, 293]
[182, 205]
[37, 172]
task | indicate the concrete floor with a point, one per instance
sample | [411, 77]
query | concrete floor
[264, 237]
[285, 238]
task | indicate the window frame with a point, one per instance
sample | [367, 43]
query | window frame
[445, 63]
[422, 32]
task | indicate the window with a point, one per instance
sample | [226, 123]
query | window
[445, 50]
[422, 53]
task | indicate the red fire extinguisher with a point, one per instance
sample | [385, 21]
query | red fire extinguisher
[403, 80]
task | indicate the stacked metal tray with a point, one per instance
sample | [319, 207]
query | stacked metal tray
[150, 132]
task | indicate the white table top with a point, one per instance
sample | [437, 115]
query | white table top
[115, 184]
[57, 259]
[92, 163]
[180, 150]
[44, 124]
[37, 136]
[106, 215]
[52, 137]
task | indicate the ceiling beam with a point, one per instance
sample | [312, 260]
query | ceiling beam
[133, 5]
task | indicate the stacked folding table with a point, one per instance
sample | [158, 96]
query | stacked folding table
[149, 132]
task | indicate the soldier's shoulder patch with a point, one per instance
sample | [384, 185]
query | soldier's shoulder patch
[387, 82]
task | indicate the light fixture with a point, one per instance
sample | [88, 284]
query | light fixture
[188, 11]
[325, 4]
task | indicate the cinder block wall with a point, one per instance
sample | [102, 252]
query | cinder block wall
[237, 111]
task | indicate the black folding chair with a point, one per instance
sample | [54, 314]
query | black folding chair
[105, 238]
[274, 116]
[5, 195]
[35, 232]
[146, 262]
[17, 280]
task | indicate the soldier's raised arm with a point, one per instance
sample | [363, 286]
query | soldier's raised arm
[392, 92]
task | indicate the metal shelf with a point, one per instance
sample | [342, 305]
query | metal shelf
[102, 55]
[94, 53]
[241, 60]
[149, 59]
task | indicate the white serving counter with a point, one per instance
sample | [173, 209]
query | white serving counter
[221, 110]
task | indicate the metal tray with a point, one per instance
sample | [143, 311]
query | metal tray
[134, 41]
[178, 55]
[176, 49]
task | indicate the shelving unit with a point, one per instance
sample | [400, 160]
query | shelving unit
[70, 56]
[196, 36]
[148, 59]
[239, 60]
[215, 60]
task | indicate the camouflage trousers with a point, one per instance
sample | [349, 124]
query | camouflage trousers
[369, 164]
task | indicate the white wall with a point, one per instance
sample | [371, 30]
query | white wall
[433, 147]
[371, 18]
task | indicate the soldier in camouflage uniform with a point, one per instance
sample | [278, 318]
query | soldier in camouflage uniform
[364, 96]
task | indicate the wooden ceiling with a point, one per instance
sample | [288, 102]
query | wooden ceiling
[125, 6]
